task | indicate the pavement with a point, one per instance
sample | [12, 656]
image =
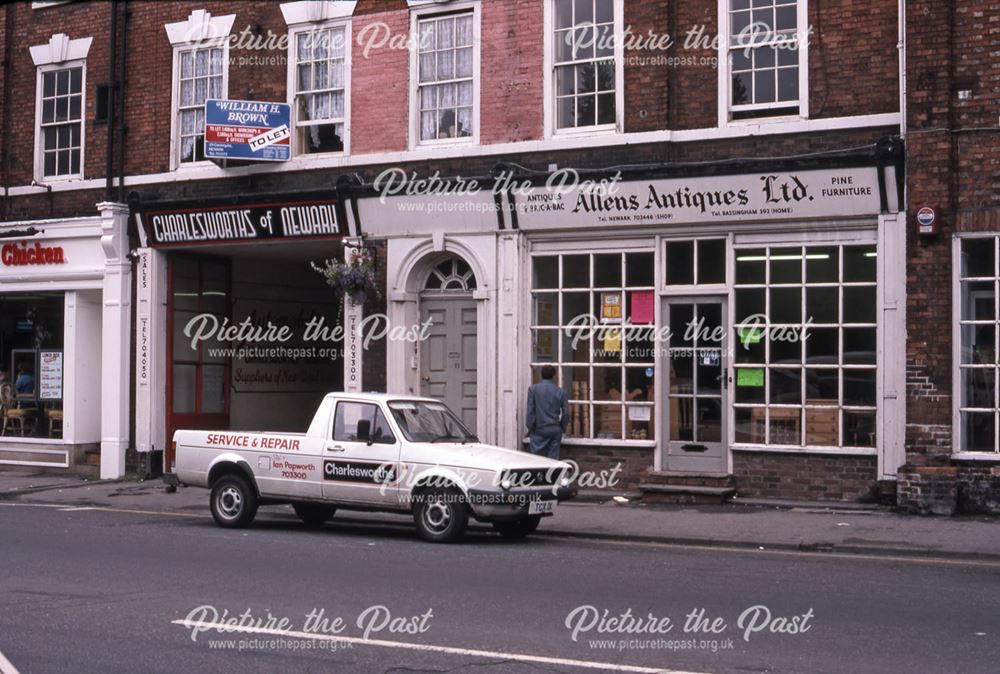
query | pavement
[805, 526]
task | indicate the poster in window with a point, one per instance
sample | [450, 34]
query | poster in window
[611, 307]
[642, 307]
[50, 375]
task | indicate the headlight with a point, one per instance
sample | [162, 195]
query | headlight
[505, 484]
[565, 482]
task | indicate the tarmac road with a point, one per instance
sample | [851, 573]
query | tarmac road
[88, 590]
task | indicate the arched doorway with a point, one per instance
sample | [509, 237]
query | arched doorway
[448, 356]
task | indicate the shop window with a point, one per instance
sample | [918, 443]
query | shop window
[805, 346]
[447, 67]
[321, 58]
[698, 262]
[31, 363]
[60, 122]
[593, 318]
[200, 74]
[977, 402]
[585, 70]
[765, 57]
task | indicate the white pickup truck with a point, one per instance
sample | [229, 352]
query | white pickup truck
[377, 452]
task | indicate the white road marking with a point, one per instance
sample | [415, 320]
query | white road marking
[6, 667]
[74, 510]
[450, 650]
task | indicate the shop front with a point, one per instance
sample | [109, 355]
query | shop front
[64, 344]
[235, 328]
[745, 326]
[734, 321]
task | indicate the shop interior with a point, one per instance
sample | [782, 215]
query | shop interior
[252, 336]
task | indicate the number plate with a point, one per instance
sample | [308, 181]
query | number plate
[541, 507]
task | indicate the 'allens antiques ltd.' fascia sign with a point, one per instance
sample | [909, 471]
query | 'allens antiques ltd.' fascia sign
[849, 192]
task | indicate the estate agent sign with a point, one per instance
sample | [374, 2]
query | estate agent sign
[249, 130]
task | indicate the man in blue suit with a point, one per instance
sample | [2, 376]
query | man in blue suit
[548, 414]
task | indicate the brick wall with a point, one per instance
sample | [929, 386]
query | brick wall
[634, 461]
[804, 477]
[853, 50]
[953, 164]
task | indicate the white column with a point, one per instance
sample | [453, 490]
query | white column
[353, 315]
[115, 342]
[891, 426]
[150, 357]
[509, 361]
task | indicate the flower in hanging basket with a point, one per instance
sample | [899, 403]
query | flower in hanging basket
[354, 278]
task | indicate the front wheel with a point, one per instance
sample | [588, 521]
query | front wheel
[233, 502]
[519, 528]
[314, 514]
[441, 516]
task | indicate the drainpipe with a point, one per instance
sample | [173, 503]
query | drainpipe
[109, 164]
[120, 118]
[7, 73]
[901, 45]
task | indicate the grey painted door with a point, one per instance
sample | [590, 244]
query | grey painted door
[448, 355]
[697, 378]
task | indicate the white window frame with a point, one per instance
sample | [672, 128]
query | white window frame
[175, 98]
[549, 80]
[39, 141]
[561, 251]
[292, 88]
[199, 31]
[803, 447]
[725, 76]
[956, 397]
[427, 10]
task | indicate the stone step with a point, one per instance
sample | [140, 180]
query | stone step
[674, 478]
[686, 494]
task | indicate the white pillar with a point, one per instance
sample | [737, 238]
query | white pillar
[509, 360]
[353, 315]
[150, 357]
[115, 339]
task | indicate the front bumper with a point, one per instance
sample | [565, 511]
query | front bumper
[514, 503]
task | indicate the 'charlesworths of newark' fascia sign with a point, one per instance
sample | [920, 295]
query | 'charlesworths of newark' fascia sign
[241, 223]
[849, 192]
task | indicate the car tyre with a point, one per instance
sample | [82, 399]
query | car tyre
[519, 528]
[233, 502]
[314, 514]
[441, 515]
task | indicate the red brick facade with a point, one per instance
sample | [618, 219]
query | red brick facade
[952, 147]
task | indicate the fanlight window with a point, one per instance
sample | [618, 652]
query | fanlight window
[451, 275]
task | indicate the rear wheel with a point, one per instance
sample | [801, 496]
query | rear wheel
[441, 515]
[233, 502]
[314, 514]
[519, 528]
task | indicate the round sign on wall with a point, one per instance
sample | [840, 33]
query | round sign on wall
[926, 219]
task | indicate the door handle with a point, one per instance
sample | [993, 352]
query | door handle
[336, 448]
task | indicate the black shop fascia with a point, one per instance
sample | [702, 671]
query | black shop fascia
[237, 219]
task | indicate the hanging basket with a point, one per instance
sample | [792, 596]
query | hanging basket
[355, 278]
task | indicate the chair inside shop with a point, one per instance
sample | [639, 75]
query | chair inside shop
[18, 419]
[55, 422]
